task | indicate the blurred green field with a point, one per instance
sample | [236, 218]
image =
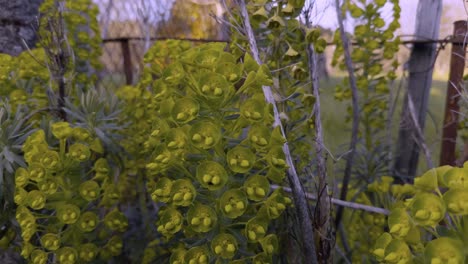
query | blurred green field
[337, 132]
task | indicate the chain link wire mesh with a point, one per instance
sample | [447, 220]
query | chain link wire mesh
[129, 28]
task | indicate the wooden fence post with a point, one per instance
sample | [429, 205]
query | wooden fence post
[420, 70]
[454, 87]
[127, 61]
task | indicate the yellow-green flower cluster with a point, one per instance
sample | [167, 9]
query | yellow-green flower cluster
[206, 172]
[428, 220]
[57, 202]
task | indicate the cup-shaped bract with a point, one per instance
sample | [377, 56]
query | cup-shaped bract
[79, 152]
[21, 177]
[50, 160]
[224, 245]
[259, 136]
[427, 209]
[233, 203]
[177, 256]
[66, 255]
[253, 110]
[161, 161]
[276, 175]
[36, 199]
[397, 251]
[88, 221]
[276, 203]
[116, 221]
[214, 88]
[39, 257]
[114, 245]
[170, 221]
[61, 130]
[211, 175]
[229, 69]
[399, 222]
[270, 244]
[37, 172]
[176, 139]
[380, 245]
[456, 178]
[205, 134]
[88, 252]
[68, 213]
[427, 181]
[50, 241]
[445, 250]
[240, 159]
[185, 110]
[183, 192]
[201, 218]
[382, 185]
[89, 190]
[276, 158]
[457, 201]
[256, 229]
[197, 255]
[20, 196]
[81, 134]
[257, 187]
[162, 190]
[48, 187]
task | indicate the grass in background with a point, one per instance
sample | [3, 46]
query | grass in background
[337, 133]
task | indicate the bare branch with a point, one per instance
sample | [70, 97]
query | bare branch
[355, 105]
[300, 200]
[356, 206]
[419, 137]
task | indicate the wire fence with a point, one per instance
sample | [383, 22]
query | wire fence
[129, 29]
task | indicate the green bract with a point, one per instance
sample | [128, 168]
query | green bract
[201, 218]
[185, 110]
[445, 250]
[162, 190]
[50, 241]
[233, 203]
[224, 245]
[211, 175]
[183, 192]
[240, 159]
[456, 177]
[256, 187]
[256, 228]
[269, 244]
[61, 130]
[116, 220]
[399, 222]
[88, 251]
[88, 221]
[205, 134]
[197, 255]
[170, 221]
[427, 209]
[79, 152]
[67, 255]
[253, 110]
[68, 213]
[36, 199]
[89, 190]
[259, 136]
[457, 201]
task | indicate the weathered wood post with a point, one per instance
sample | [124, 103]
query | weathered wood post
[454, 87]
[127, 60]
[420, 80]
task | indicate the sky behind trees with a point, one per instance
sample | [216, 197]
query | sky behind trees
[324, 14]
